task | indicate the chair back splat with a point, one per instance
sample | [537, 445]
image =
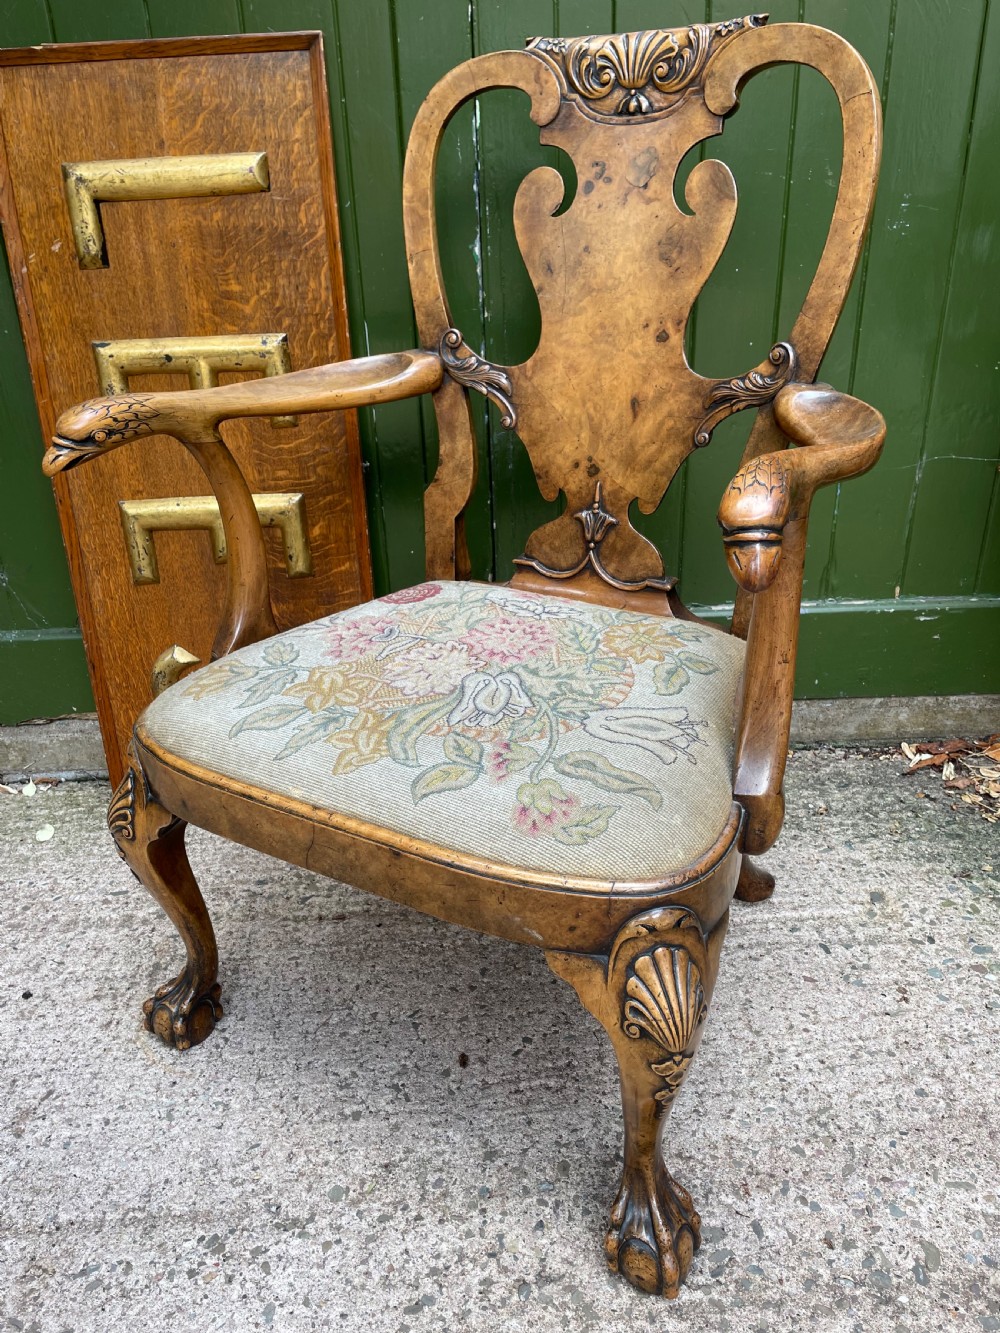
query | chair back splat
[607, 405]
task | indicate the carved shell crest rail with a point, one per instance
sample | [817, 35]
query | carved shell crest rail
[637, 73]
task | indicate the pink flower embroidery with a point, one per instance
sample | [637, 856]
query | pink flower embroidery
[420, 593]
[497, 765]
[544, 806]
[507, 640]
[347, 641]
[424, 668]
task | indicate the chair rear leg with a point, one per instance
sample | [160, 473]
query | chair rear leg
[150, 841]
[651, 995]
[755, 883]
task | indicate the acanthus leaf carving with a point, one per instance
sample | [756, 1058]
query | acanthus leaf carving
[756, 387]
[642, 73]
[475, 372]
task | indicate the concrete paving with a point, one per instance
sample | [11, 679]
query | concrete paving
[404, 1126]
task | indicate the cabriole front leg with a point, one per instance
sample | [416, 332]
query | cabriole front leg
[151, 843]
[651, 995]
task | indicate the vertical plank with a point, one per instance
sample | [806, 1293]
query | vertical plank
[35, 591]
[957, 471]
[74, 22]
[192, 18]
[988, 566]
[927, 116]
[428, 47]
[26, 23]
[369, 142]
[815, 175]
[736, 310]
[509, 149]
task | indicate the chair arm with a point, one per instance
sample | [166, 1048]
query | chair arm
[102, 424]
[763, 516]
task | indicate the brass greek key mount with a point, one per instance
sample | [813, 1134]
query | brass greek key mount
[141, 518]
[596, 523]
[200, 359]
[90, 184]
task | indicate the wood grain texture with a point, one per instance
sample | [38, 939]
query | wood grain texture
[182, 267]
[609, 401]
[608, 407]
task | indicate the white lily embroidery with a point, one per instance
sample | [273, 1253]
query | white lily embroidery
[486, 699]
[663, 732]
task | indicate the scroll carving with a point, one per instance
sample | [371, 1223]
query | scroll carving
[638, 73]
[596, 523]
[757, 387]
[474, 372]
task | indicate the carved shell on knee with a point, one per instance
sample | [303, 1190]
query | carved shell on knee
[666, 1002]
[121, 811]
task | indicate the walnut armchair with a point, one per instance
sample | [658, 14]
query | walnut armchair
[571, 760]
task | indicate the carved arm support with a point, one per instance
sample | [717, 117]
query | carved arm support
[102, 424]
[763, 516]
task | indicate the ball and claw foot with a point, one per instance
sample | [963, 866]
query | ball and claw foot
[181, 1017]
[654, 1231]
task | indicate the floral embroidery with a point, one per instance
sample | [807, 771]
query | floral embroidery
[464, 683]
[418, 594]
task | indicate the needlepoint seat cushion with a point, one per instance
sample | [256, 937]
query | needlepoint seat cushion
[538, 733]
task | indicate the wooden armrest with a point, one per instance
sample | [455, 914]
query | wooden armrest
[844, 438]
[764, 515]
[102, 424]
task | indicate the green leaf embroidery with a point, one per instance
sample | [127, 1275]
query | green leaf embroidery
[519, 757]
[268, 719]
[462, 749]
[593, 767]
[578, 638]
[410, 724]
[670, 678]
[445, 777]
[701, 665]
[316, 728]
[275, 682]
[280, 654]
[590, 823]
[219, 677]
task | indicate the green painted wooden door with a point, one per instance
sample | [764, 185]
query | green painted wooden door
[903, 581]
